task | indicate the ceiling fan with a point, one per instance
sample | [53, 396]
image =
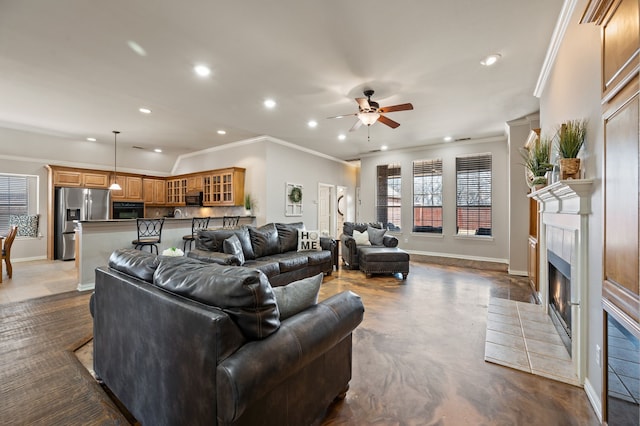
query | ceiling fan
[370, 111]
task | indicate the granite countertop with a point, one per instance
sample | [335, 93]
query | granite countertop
[166, 218]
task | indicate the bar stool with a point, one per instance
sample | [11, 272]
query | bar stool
[230, 221]
[149, 233]
[197, 223]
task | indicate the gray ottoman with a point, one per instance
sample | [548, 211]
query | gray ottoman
[383, 260]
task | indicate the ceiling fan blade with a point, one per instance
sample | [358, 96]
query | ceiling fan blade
[363, 103]
[389, 122]
[342, 116]
[392, 108]
[355, 126]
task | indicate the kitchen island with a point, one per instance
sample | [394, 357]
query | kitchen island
[97, 239]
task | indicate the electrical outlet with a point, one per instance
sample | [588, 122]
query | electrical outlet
[598, 355]
[406, 240]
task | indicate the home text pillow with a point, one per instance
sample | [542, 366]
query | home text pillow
[376, 236]
[297, 296]
[362, 238]
[232, 246]
[308, 240]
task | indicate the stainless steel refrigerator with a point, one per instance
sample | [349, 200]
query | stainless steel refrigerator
[76, 204]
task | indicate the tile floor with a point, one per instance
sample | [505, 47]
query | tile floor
[522, 336]
[38, 278]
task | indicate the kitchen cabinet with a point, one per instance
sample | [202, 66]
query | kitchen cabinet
[224, 187]
[154, 191]
[176, 190]
[131, 188]
[194, 183]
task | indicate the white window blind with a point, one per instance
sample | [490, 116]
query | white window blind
[389, 198]
[473, 195]
[427, 196]
[17, 197]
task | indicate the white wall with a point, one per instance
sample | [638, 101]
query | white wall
[494, 249]
[573, 92]
[517, 133]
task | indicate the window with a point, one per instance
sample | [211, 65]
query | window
[427, 196]
[18, 196]
[389, 199]
[473, 195]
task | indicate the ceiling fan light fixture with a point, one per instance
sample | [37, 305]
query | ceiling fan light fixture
[368, 118]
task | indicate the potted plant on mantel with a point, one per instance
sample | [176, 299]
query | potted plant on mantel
[571, 137]
[537, 162]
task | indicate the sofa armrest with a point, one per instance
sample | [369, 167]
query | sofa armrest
[214, 257]
[390, 241]
[259, 366]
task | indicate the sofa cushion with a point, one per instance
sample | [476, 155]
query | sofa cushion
[232, 246]
[308, 240]
[137, 263]
[292, 262]
[376, 236]
[362, 238]
[319, 257]
[348, 227]
[243, 293]
[297, 296]
[213, 257]
[267, 265]
[288, 235]
[213, 240]
[264, 240]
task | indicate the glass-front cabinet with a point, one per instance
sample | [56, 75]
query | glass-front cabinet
[224, 187]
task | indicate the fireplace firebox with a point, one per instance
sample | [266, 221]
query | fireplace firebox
[560, 296]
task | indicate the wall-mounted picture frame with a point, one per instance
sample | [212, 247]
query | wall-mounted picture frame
[293, 199]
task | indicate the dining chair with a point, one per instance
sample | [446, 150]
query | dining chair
[197, 223]
[230, 221]
[6, 251]
[149, 233]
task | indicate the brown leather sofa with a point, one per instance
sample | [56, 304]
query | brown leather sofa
[271, 248]
[180, 341]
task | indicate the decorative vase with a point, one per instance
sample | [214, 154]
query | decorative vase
[569, 168]
[538, 183]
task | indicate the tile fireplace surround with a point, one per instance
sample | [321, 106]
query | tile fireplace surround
[565, 207]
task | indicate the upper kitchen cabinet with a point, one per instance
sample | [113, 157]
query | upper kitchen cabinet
[194, 183]
[131, 188]
[70, 177]
[224, 187]
[176, 190]
[154, 191]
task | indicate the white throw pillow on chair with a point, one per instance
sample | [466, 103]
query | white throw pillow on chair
[362, 238]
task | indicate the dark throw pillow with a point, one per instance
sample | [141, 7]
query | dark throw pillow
[232, 246]
[297, 296]
[264, 240]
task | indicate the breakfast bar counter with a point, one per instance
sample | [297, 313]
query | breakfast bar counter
[97, 239]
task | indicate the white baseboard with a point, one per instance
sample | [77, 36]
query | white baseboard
[27, 259]
[86, 286]
[518, 273]
[457, 256]
[594, 398]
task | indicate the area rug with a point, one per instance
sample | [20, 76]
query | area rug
[39, 373]
[521, 336]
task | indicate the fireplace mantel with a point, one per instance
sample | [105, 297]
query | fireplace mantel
[565, 207]
[571, 196]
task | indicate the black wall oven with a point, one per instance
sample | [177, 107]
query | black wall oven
[127, 210]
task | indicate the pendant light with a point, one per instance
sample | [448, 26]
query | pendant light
[114, 186]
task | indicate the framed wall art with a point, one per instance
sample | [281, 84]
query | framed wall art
[293, 200]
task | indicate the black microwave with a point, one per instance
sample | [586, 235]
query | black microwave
[193, 199]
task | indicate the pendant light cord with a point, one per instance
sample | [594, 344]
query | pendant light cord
[115, 153]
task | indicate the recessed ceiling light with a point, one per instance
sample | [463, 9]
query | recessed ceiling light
[157, 150]
[202, 70]
[342, 137]
[91, 139]
[136, 48]
[384, 148]
[144, 110]
[222, 132]
[448, 138]
[270, 103]
[491, 59]
[312, 123]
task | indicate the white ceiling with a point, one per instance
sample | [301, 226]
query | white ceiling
[66, 69]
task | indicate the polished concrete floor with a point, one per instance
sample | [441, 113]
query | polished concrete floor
[418, 356]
